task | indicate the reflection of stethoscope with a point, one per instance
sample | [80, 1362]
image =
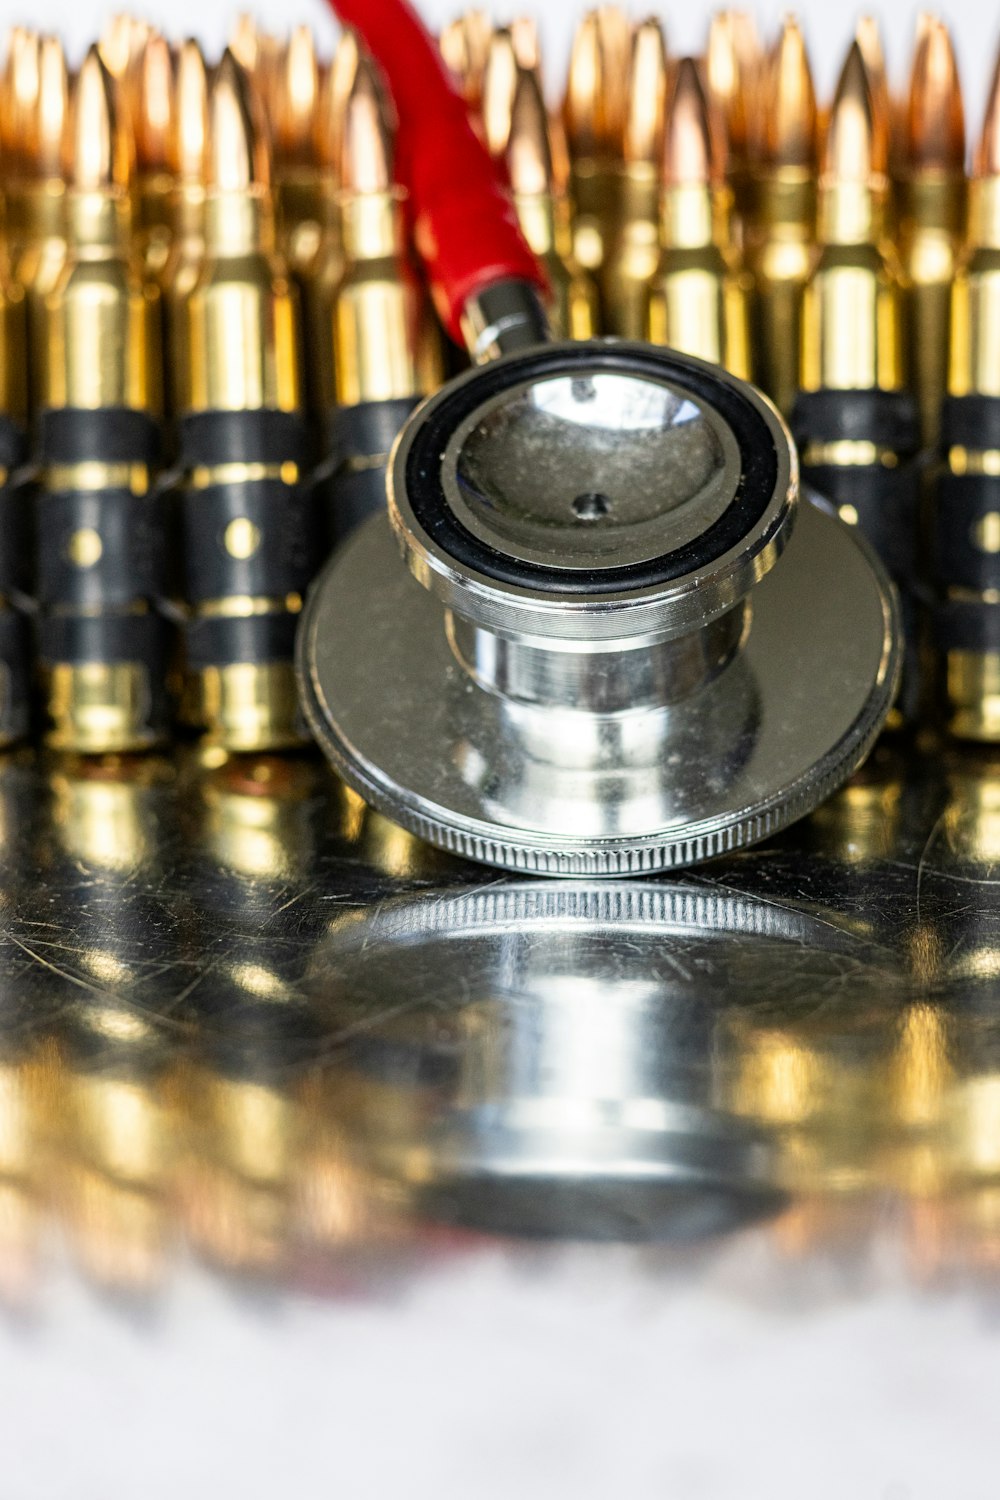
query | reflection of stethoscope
[633, 648]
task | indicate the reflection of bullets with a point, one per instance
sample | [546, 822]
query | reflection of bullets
[244, 538]
[594, 118]
[781, 233]
[855, 421]
[966, 531]
[101, 639]
[519, 133]
[385, 347]
[931, 196]
[699, 302]
[634, 252]
[115, 1138]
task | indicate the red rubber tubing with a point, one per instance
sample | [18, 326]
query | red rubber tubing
[466, 228]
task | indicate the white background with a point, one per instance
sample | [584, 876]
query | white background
[976, 26]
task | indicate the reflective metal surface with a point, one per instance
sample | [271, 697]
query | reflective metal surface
[619, 642]
[308, 1132]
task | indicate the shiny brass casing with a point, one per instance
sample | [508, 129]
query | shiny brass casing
[699, 302]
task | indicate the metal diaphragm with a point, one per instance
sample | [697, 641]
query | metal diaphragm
[619, 642]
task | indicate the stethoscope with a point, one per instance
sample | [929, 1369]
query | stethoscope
[617, 641]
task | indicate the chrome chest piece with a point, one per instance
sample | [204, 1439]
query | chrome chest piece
[619, 642]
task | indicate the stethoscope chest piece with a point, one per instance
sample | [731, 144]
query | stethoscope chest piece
[618, 642]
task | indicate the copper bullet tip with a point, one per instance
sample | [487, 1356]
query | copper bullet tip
[465, 45]
[237, 156]
[122, 42]
[524, 31]
[499, 85]
[155, 113]
[987, 157]
[596, 95]
[855, 150]
[94, 158]
[647, 94]
[692, 155]
[244, 41]
[935, 118]
[869, 41]
[516, 121]
[334, 89]
[21, 83]
[53, 107]
[367, 132]
[731, 64]
[790, 101]
[189, 139]
[296, 98]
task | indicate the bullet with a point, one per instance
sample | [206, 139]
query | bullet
[465, 44]
[384, 345]
[101, 639]
[520, 134]
[121, 44]
[931, 206]
[855, 421]
[594, 113]
[319, 279]
[154, 130]
[732, 64]
[244, 543]
[296, 92]
[33, 111]
[966, 526]
[780, 233]
[869, 40]
[634, 252]
[699, 301]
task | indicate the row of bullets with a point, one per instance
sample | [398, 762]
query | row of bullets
[204, 269]
[226, 329]
[186, 1073]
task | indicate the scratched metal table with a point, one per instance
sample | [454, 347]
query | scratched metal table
[331, 1164]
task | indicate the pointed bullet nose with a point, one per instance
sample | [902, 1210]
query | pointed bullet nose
[647, 94]
[499, 85]
[189, 140]
[465, 44]
[790, 101]
[935, 121]
[53, 106]
[95, 157]
[731, 63]
[336, 86]
[869, 41]
[596, 104]
[987, 161]
[237, 158]
[691, 147]
[296, 98]
[529, 151]
[854, 149]
[155, 112]
[21, 83]
[367, 132]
